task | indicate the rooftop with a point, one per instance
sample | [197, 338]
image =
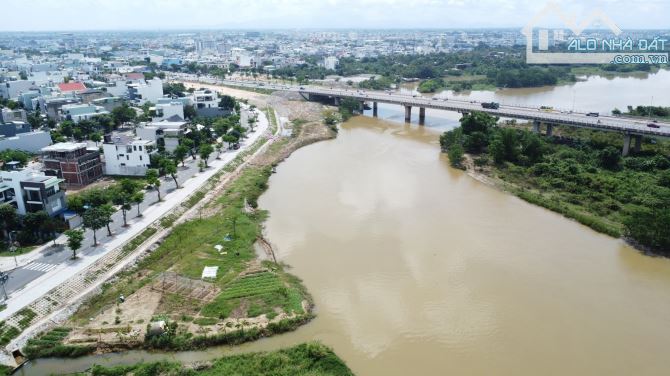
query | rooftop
[64, 147]
[71, 86]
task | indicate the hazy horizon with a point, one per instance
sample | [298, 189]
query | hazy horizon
[198, 15]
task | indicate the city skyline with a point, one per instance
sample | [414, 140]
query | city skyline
[93, 15]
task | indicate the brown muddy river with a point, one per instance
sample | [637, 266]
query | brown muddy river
[418, 269]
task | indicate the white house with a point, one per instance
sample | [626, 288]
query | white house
[79, 112]
[127, 156]
[32, 191]
[165, 133]
[167, 110]
[204, 99]
[142, 92]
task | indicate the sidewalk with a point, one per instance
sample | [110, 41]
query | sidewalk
[43, 284]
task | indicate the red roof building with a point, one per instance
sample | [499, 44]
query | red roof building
[134, 76]
[71, 87]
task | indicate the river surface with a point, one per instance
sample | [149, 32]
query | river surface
[418, 269]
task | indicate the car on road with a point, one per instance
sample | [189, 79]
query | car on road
[653, 125]
[593, 114]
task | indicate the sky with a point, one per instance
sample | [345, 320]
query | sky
[75, 15]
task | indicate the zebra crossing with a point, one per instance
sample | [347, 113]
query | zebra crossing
[40, 267]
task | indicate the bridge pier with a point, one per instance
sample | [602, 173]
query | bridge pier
[550, 130]
[408, 114]
[374, 109]
[626, 144]
[422, 115]
[337, 101]
[638, 143]
[536, 126]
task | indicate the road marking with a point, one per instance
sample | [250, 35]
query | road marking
[40, 267]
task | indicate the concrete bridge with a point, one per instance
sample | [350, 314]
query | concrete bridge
[632, 129]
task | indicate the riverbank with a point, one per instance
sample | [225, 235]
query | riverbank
[577, 173]
[312, 359]
[246, 299]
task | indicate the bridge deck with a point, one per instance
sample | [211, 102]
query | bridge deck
[606, 123]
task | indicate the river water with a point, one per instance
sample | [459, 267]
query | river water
[416, 268]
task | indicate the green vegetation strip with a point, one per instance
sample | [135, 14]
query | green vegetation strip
[309, 359]
[578, 173]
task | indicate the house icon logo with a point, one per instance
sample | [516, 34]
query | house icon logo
[596, 54]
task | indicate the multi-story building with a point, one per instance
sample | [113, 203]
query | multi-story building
[127, 156]
[73, 162]
[32, 191]
[149, 91]
[79, 112]
[165, 133]
[167, 110]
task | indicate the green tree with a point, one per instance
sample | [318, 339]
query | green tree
[189, 144]
[180, 153]
[154, 181]
[122, 199]
[610, 158]
[74, 239]
[95, 218]
[227, 102]
[137, 198]
[477, 122]
[109, 211]
[189, 112]
[205, 151]
[455, 154]
[8, 219]
[123, 114]
[170, 168]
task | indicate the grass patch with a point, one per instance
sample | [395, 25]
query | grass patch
[4, 252]
[313, 359]
[205, 321]
[50, 344]
[138, 240]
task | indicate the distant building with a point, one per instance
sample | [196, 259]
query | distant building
[331, 63]
[12, 89]
[7, 115]
[127, 156]
[31, 191]
[79, 112]
[167, 110]
[71, 88]
[73, 162]
[31, 142]
[165, 133]
[11, 129]
[149, 91]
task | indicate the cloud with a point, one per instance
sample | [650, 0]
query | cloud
[296, 14]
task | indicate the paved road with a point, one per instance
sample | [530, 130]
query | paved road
[51, 257]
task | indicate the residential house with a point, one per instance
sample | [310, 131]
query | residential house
[147, 91]
[73, 162]
[32, 191]
[79, 112]
[165, 133]
[163, 110]
[127, 156]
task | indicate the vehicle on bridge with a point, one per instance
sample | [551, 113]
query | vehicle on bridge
[546, 108]
[653, 125]
[491, 105]
[593, 114]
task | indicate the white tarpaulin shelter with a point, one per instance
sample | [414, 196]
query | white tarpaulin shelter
[209, 272]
